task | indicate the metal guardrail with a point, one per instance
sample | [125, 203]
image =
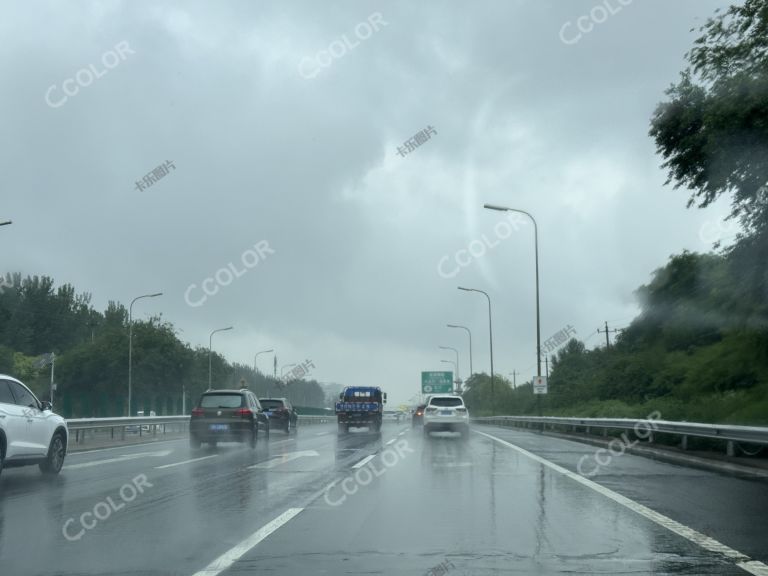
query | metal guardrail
[148, 425]
[727, 432]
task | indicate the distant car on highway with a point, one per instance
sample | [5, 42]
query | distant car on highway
[280, 413]
[134, 429]
[227, 416]
[30, 433]
[446, 412]
[418, 415]
[391, 416]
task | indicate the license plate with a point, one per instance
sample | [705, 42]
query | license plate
[268, 412]
[219, 427]
[446, 412]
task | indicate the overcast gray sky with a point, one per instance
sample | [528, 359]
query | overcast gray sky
[268, 145]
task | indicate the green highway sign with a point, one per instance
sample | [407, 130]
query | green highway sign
[436, 382]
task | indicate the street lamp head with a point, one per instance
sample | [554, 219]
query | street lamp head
[155, 295]
[495, 207]
[465, 289]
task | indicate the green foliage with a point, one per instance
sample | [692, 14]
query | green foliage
[713, 132]
[92, 356]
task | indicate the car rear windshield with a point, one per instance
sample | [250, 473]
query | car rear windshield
[446, 402]
[221, 401]
[271, 404]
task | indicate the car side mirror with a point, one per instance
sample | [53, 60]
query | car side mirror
[341, 396]
[385, 397]
[45, 405]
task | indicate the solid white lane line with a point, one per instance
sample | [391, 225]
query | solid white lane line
[234, 554]
[391, 442]
[141, 445]
[123, 458]
[754, 567]
[185, 462]
[743, 561]
[364, 461]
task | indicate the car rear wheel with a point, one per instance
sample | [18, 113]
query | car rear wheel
[343, 428]
[56, 453]
[194, 442]
[254, 437]
[288, 427]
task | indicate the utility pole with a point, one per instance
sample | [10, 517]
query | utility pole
[546, 363]
[607, 334]
[514, 379]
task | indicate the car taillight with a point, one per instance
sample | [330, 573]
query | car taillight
[197, 412]
[419, 413]
[244, 413]
[461, 409]
[431, 409]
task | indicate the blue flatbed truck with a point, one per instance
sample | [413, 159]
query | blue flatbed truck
[360, 406]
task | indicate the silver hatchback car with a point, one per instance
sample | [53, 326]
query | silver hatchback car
[30, 433]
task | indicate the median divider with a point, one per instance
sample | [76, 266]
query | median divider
[122, 430]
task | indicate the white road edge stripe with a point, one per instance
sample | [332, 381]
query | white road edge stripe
[391, 442]
[364, 461]
[185, 462]
[234, 554]
[742, 560]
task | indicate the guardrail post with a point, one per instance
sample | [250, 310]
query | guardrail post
[587, 431]
[684, 443]
[729, 448]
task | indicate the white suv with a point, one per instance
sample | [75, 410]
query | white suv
[30, 433]
[446, 412]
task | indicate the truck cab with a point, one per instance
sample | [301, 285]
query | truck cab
[360, 407]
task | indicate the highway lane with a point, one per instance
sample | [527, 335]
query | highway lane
[317, 504]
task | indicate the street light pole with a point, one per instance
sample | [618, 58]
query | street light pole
[458, 375]
[490, 333]
[210, 351]
[454, 366]
[536, 248]
[469, 333]
[255, 367]
[130, 344]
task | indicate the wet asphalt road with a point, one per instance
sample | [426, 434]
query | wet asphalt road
[504, 502]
